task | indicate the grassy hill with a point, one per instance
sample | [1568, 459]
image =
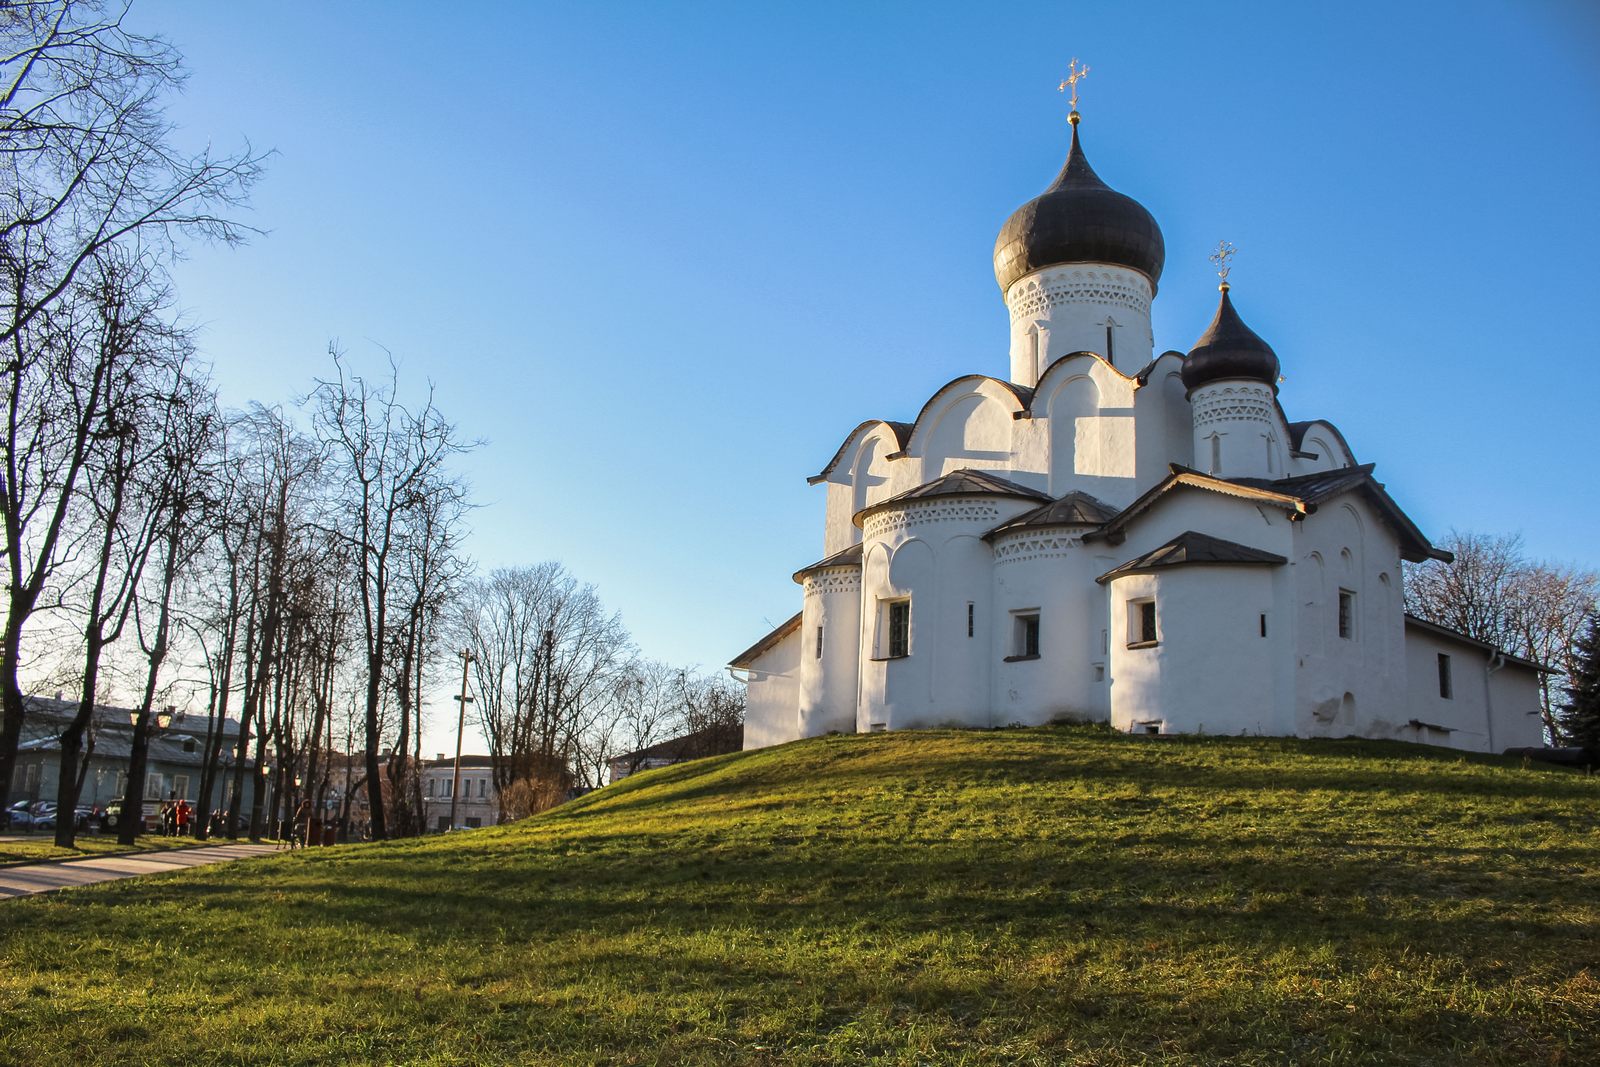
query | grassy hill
[1021, 896]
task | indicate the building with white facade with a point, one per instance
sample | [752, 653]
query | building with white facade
[1113, 535]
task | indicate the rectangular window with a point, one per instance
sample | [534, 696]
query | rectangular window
[899, 628]
[430, 787]
[444, 822]
[819, 642]
[1025, 635]
[180, 786]
[1141, 623]
[1263, 624]
[152, 787]
[1347, 614]
[1445, 689]
[969, 618]
[446, 786]
[474, 822]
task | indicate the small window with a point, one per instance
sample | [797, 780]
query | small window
[446, 787]
[1347, 614]
[1111, 341]
[878, 727]
[483, 788]
[430, 787]
[1099, 672]
[1152, 728]
[1263, 624]
[969, 618]
[1025, 638]
[819, 642]
[899, 628]
[1216, 453]
[1445, 688]
[1141, 623]
[180, 786]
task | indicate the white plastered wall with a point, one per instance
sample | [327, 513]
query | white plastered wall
[831, 614]
[1493, 705]
[772, 695]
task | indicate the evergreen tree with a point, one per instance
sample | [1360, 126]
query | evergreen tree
[1580, 716]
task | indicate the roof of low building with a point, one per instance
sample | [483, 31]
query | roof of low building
[761, 647]
[707, 741]
[1452, 634]
[1191, 548]
[964, 482]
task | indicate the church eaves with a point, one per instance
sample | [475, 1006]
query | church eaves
[964, 482]
[1075, 509]
[1191, 548]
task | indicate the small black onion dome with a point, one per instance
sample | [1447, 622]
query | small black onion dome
[1079, 219]
[1229, 349]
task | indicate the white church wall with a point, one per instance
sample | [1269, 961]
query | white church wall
[1081, 307]
[1165, 421]
[1210, 669]
[1488, 705]
[830, 630]
[1088, 412]
[927, 553]
[1237, 431]
[772, 695]
[1350, 679]
[1048, 573]
[1321, 449]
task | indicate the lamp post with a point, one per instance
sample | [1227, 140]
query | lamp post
[461, 721]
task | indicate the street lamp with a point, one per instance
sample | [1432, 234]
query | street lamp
[461, 721]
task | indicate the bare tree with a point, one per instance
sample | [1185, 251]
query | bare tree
[87, 165]
[548, 656]
[387, 462]
[1494, 593]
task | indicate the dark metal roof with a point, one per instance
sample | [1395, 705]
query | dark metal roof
[1298, 431]
[850, 557]
[1452, 634]
[1078, 219]
[755, 651]
[902, 434]
[1190, 548]
[1299, 496]
[964, 482]
[1074, 509]
[1229, 349]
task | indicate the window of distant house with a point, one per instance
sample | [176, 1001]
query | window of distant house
[898, 637]
[1025, 635]
[180, 786]
[483, 788]
[1347, 614]
[430, 787]
[1141, 623]
[445, 787]
[1445, 689]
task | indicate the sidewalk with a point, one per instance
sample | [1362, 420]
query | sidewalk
[26, 879]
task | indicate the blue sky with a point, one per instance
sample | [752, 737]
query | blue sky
[662, 257]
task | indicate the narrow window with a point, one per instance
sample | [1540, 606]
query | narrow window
[1033, 348]
[1141, 623]
[1099, 672]
[1152, 728]
[1216, 453]
[1347, 614]
[1111, 341]
[1445, 689]
[1025, 644]
[430, 787]
[1263, 624]
[878, 727]
[819, 642]
[969, 618]
[899, 628]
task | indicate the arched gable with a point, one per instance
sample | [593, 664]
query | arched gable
[967, 423]
[1321, 439]
[839, 468]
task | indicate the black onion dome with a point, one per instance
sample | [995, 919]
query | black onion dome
[1229, 349]
[1079, 219]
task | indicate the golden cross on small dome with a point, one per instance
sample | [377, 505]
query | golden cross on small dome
[1221, 257]
[1074, 76]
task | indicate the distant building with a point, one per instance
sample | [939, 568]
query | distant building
[479, 802]
[710, 741]
[176, 755]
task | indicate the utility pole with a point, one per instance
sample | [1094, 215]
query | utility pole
[461, 721]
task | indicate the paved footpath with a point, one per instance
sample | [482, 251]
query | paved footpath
[26, 879]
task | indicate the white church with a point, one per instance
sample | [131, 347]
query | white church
[1109, 535]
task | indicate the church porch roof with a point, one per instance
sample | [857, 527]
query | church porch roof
[1190, 548]
[964, 482]
[1075, 509]
[767, 643]
[850, 557]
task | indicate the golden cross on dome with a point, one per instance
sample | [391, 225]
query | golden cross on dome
[1221, 257]
[1074, 76]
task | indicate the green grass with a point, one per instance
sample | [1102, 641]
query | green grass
[1024, 896]
[41, 847]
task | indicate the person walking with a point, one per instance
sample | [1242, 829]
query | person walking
[182, 814]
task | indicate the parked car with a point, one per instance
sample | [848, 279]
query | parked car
[17, 817]
[88, 816]
[44, 814]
